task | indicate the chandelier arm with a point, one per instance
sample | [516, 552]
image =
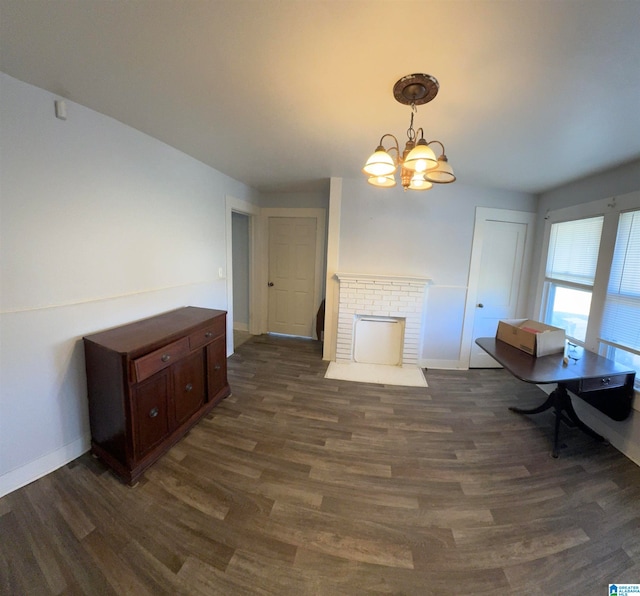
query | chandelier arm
[382, 138]
[439, 143]
[396, 147]
[397, 157]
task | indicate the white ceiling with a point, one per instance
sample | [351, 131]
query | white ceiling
[284, 94]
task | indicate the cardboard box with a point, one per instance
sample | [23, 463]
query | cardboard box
[532, 337]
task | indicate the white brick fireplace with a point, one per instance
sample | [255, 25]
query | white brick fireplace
[386, 305]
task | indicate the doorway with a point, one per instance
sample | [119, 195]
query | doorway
[498, 277]
[242, 239]
[307, 221]
[292, 262]
[240, 277]
[258, 222]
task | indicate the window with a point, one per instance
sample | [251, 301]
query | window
[620, 332]
[590, 282]
[570, 274]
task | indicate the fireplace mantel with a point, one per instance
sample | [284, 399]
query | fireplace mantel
[383, 278]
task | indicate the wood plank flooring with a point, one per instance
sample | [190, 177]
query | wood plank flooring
[301, 485]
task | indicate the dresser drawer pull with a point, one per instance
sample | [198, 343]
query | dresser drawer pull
[188, 387]
[216, 367]
[208, 334]
[605, 380]
[165, 357]
[153, 413]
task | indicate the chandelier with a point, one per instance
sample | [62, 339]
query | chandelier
[419, 166]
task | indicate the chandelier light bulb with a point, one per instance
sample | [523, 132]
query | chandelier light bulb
[382, 181]
[418, 182]
[421, 158]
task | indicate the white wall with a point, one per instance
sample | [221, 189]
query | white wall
[318, 199]
[99, 225]
[429, 234]
[617, 181]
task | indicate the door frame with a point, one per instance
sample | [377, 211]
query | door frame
[320, 215]
[484, 214]
[233, 205]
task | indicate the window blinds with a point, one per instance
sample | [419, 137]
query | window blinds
[621, 320]
[573, 250]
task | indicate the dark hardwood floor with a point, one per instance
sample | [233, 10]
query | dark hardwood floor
[300, 485]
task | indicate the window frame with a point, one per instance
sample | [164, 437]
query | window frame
[550, 287]
[610, 209]
[550, 284]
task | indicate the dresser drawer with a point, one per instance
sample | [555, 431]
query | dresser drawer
[599, 383]
[151, 363]
[202, 337]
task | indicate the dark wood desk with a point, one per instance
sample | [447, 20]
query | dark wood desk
[603, 383]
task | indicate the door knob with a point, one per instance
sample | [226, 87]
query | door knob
[270, 284]
[480, 305]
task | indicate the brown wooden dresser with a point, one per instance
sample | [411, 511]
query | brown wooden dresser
[150, 381]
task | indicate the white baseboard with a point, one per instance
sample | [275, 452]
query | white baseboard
[597, 421]
[41, 467]
[442, 364]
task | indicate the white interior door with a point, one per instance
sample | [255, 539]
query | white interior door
[501, 252]
[292, 261]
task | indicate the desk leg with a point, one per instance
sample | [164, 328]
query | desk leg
[568, 407]
[551, 401]
[560, 401]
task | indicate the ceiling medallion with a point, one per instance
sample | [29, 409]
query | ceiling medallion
[419, 166]
[416, 89]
